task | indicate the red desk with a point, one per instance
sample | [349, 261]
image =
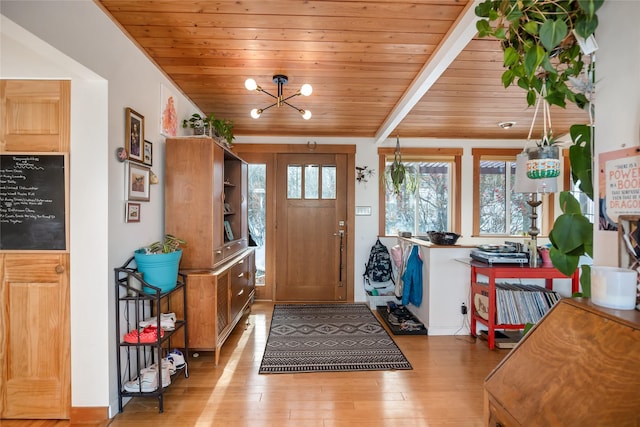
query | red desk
[508, 271]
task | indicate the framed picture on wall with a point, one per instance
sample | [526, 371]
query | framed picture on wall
[168, 112]
[132, 212]
[134, 135]
[148, 153]
[137, 181]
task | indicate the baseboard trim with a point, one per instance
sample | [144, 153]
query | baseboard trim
[89, 414]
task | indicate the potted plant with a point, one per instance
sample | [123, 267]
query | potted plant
[572, 233]
[201, 125]
[159, 263]
[224, 129]
[543, 44]
[544, 159]
[541, 41]
[398, 177]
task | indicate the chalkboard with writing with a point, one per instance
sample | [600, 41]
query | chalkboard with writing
[32, 202]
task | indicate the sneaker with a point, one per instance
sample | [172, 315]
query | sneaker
[147, 335]
[167, 321]
[146, 383]
[176, 358]
[166, 372]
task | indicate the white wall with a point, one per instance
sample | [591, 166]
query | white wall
[108, 73]
[115, 75]
[617, 97]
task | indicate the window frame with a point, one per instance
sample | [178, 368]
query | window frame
[545, 218]
[453, 155]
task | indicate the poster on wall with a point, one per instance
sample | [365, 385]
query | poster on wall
[168, 112]
[619, 186]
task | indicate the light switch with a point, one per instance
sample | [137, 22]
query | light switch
[363, 210]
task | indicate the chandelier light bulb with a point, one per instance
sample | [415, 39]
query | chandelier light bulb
[306, 114]
[255, 113]
[306, 89]
[250, 84]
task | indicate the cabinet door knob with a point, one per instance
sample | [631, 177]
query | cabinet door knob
[59, 269]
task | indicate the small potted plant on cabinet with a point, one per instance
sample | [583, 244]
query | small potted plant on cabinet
[201, 125]
[159, 262]
[224, 129]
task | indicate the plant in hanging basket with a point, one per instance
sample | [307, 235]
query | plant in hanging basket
[544, 162]
[540, 44]
[398, 177]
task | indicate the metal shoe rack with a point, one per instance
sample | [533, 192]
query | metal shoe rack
[137, 300]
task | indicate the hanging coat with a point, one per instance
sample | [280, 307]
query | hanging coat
[412, 279]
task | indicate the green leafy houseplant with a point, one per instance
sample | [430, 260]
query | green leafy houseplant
[398, 177]
[159, 263]
[539, 42]
[224, 128]
[542, 55]
[167, 245]
[198, 121]
[572, 233]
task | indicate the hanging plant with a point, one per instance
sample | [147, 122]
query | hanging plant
[544, 43]
[400, 178]
[540, 44]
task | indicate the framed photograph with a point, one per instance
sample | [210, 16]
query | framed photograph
[228, 231]
[132, 212]
[147, 153]
[168, 112]
[134, 135]
[137, 181]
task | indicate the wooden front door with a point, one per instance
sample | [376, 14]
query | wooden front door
[35, 361]
[311, 218]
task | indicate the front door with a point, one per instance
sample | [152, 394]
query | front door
[311, 235]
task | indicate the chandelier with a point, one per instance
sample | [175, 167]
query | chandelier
[280, 80]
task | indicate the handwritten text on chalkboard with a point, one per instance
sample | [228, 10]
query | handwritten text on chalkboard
[32, 202]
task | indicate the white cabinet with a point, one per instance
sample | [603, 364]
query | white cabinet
[445, 287]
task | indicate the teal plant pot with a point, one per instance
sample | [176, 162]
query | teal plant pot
[159, 270]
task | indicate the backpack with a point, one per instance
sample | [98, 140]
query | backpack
[379, 267]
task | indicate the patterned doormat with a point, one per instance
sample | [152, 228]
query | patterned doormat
[328, 338]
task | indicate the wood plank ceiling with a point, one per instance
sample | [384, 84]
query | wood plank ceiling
[378, 68]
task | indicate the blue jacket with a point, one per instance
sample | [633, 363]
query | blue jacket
[412, 279]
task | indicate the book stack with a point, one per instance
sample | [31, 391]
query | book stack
[517, 304]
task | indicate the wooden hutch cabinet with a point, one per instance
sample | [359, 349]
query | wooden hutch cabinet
[206, 188]
[206, 205]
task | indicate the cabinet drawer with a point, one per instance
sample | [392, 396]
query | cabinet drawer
[218, 255]
[239, 285]
[231, 248]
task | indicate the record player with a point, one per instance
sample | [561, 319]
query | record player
[499, 254]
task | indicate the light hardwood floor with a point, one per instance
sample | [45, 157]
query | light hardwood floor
[443, 389]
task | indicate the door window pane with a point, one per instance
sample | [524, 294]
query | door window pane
[294, 181]
[311, 178]
[328, 182]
